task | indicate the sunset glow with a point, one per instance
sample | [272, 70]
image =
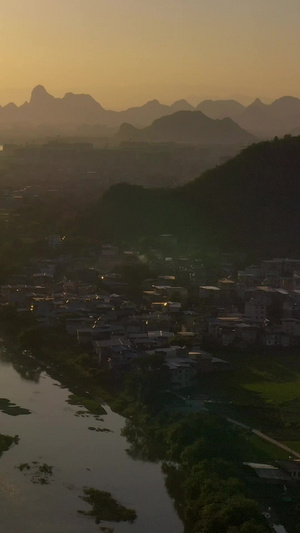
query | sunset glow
[127, 52]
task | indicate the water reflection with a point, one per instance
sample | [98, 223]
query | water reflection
[141, 448]
[27, 366]
[31, 371]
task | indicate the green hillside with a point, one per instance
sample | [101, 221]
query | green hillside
[250, 202]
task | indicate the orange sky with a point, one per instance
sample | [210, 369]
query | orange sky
[125, 52]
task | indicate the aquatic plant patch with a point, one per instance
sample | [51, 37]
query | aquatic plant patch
[9, 408]
[100, 430]
[38, 473]
[6, 441]
[105, 507]
[94, 407]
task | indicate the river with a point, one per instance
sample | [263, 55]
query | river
[53, 434]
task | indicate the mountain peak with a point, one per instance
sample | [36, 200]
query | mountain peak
[152, 103]
[73, 96]
[257, 102]
[182, 105]
[39, 94]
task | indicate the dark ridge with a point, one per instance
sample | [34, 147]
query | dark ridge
[249, 203]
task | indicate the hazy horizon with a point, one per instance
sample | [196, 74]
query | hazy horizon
[127, 53]
[192, 99]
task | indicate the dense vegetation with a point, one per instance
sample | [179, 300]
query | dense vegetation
[250, 202]
[201, 452]
[202, 462]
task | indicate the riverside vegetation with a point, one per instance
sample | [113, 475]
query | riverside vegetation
[201, 453]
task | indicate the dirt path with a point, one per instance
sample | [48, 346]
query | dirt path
[265, 437]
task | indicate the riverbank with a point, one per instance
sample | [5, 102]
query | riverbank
[58, 434]
[51, 350]
[197, 449]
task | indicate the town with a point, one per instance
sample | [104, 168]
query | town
[181, 312]
[122, 307]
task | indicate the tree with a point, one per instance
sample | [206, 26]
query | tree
[148, 379]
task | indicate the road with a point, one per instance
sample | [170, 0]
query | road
[265, 437]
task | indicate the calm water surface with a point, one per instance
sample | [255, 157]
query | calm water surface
[80, 458]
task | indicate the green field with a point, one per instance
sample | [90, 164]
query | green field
[265, 451]
[262, 390]
[295, 445]
[276, 392]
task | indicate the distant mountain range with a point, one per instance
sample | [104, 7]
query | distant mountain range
[189, 127]
[77, 109]
[259, 119]
[263, 120]
[221, 108]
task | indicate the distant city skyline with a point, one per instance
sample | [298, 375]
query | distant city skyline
[127, 53]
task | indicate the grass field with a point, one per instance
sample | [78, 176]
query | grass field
[295, 445]
[262, 390]
[266, 450]
[276, 392]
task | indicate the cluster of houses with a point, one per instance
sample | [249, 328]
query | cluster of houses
[286, 471]
[259, 307]
[176, 314]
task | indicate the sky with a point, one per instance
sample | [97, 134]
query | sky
[126, 52]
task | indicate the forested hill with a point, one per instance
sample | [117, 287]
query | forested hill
[252, 202]
[190, 127]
